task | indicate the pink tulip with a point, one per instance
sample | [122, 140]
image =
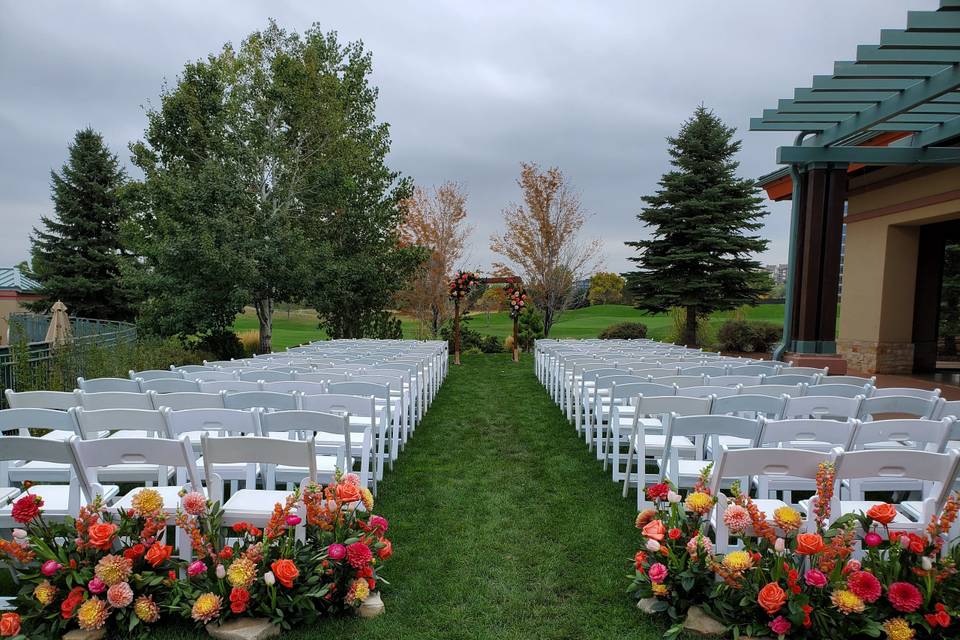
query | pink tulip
[336, 552]
[196, 568]
[50, 567]
[872, 539]
[293, 520]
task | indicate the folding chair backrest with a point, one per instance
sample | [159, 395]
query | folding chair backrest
[116, 452]
[703, 370]
[224, 421]
[186, 400]
[211, 374]
[191, 368]
[906, 391]
[113, 400]
[930, 435]
[262, 399]
[839, 390]
[808, 433]
[96, 385]
[290, 386]
[273, 451]
[216, 386]
[655, 372]
[22, 420]
[362, 406]
[662, 405]
[591, 375]
[790, 378]
[788, 463]
[290, 369]
[887, 463]
[734, 380]
[683, 381]
[775, 390]
[396, 383]
[809, 371]
[322, 377]
[947, 409]
[308, 422]
[699, 427]
[822, 406]
[608, 382]
[902, 405]
[708, 390]
[756, 369]
[59, 400]
[92, 422]
[265, 375]
[168, 385]
[379, 391]
[857, 380]
[154, 374]
[15, 448]
[628, 391]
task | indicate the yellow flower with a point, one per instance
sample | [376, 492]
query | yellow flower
[113, 569]
[738, 561]
[45, 592]
[787, 519]
[367, 499]
[146, 502]
[699, 502]
[359, 590]
[847, 602]
[659, 589]
[206, 608]
[92, 614]
[898, 629]
[242, 572]
[146, 609]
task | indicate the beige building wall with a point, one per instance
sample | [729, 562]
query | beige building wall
[8, 306]
[885, 212]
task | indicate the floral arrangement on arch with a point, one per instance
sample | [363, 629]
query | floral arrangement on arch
[462, 284]
[792, 579]
[517, 299]
[292, 571]
[102, 570]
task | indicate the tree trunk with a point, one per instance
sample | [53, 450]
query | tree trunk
[435, 320]
[456, 331]
[264, 307]
[516, 338]
[690, 331]
[547, 320]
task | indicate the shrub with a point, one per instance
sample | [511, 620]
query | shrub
[740, 335]
[768, 334]
[491, 344]
[469, 338]
[678, 327]
[224, 344]
[250, 340]
[624, 331]
[508, 343]
[531, 328]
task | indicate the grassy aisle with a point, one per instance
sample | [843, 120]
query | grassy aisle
[503, 525]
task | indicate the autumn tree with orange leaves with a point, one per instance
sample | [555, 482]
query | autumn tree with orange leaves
[434, 220]
[541, 241]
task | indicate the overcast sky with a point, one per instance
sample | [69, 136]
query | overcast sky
[470, 89]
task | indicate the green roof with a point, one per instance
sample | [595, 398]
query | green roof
[12, 280]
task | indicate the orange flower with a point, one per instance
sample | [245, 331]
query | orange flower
[883, 513]
[655, 530]
[385, 551]
[771, 598]
[101, 535]
[809, 544]
[285, 571]
[158, 554]
[9, 625]
[348, 493]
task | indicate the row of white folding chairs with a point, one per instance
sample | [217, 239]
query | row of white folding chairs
[935, 470]
[642, 407]
[86, 461]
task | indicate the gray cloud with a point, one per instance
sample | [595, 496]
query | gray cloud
[470, 89]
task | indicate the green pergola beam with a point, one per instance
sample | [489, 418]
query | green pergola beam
[901, 126]
[918, 39]
[933, 20]
[938, 107]
[757, 124]
[938, 134]
[869, 155]
[874, 53]
[791, 106]
[829, 83]
[944, 82]
[773, 115]
[809, 95]
[929, 118]
[860, 70]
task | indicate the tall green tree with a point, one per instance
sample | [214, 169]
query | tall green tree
[703, 222]
[256, 163]
[76, 253]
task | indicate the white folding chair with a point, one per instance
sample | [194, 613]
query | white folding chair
[685, 473]
[95, 385]
[56, 424]
[168, 385]
[331, 434]
[187, 400]
[362, 415]
[828, 407]
[385, 402]
[125, 423]
[622, 416]
[59, 400]
[906, 391]
[216, 386]
[261, 399]
[113, 400]
[899, 406]
[809, 434]
[154, 374]
[839, 390]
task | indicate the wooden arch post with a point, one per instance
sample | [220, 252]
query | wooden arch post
[515, 282]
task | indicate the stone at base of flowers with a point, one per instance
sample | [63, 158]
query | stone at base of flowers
[646, 605]
[243, 629]
[80, 634]
[699, 622]
[371, 607]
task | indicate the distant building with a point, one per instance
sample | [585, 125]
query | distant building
[778, 272]
[16, 290]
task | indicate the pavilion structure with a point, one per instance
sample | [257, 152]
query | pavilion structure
[876, 150]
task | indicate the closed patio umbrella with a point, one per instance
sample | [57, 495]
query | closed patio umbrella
[59, 331]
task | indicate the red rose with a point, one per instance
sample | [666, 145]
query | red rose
[674, 534]
[158, 554]
[809, 544]
[771, 598]
[134, 552]
[27, 508]
[385, 551]
[239, 598]
[71, 602]
[883, 513]
[226, 553]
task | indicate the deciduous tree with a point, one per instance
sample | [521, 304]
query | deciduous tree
[703, 220]
[605, 288]
[541, 240]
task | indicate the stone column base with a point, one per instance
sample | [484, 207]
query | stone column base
[836, 363]
[872, 357]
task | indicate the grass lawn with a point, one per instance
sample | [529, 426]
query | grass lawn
[301, 325]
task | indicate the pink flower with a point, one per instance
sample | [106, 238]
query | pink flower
[50, 567]
[779, 625]
[872, 539]
[195, 503]
[864, 585]
[120, 595]
[359, 555]
[196, 568]
[904, 597]
[97, 585]
[293, 520]
[336, 552]
[657, 572]
[352, 478]
[815, 578]
[736, 518]
[379, 523]
[852, 565]
[700, 541]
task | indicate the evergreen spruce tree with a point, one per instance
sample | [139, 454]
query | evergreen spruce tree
[76, 254]
[703, 221]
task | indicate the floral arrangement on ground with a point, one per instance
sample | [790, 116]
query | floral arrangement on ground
[853, 577]
[320, 554]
